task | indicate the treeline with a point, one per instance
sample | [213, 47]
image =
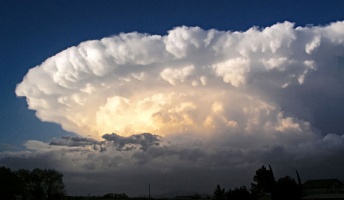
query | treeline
[109, 196]
[47, 184]
[38, 184]
[264, 186]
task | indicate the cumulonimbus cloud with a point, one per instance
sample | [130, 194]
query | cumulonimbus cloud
[190, 82]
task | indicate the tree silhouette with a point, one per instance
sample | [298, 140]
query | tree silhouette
[47, 184]
[241, 193]
[219, 193]
[287, 188]
[9, 184]
[264, 181]
[25, 181]
[38, 184]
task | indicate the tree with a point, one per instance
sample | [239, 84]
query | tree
[219, 193]
[241, 193]
[38, 184]
[47, 184]
[287, 188]
[264, 181]
[54, 184]
[25, 181]
[9, 184]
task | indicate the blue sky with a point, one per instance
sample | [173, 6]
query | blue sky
[33, 31]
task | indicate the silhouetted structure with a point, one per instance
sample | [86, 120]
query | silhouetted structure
[323, 189]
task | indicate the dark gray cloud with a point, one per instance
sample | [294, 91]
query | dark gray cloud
[142, 141]
[72, 141]
[176, 167]
[112, 141]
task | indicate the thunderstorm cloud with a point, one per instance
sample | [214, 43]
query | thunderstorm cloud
[190, 81]
[189, 103]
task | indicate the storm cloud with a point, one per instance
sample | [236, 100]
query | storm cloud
[173, 167]
[193, 81]
[189, 103]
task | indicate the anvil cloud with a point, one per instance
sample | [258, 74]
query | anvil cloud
[194, 107]
[204, 83]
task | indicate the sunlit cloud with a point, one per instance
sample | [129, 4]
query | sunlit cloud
[220, 86]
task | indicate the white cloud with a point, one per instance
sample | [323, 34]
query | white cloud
[172, 75]
[204, 83]
[224, 102]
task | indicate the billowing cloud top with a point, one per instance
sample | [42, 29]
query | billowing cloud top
[191, 81]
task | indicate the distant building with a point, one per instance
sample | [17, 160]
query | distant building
[323, 189]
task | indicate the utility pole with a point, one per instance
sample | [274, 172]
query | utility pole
[148, 191]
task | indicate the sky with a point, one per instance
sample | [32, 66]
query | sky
[181, 95]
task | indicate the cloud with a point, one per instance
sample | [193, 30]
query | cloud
[143, 140]
[192, 103]
[74, 141]
[113, 141]
[198, 167]
[190, 81]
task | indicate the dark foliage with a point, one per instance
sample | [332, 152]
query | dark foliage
[287, 188]
[240, 193]
[219, 193]
[38, 184]
[265, 184]
[264, 181]
[48, 184]
[10, 184]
